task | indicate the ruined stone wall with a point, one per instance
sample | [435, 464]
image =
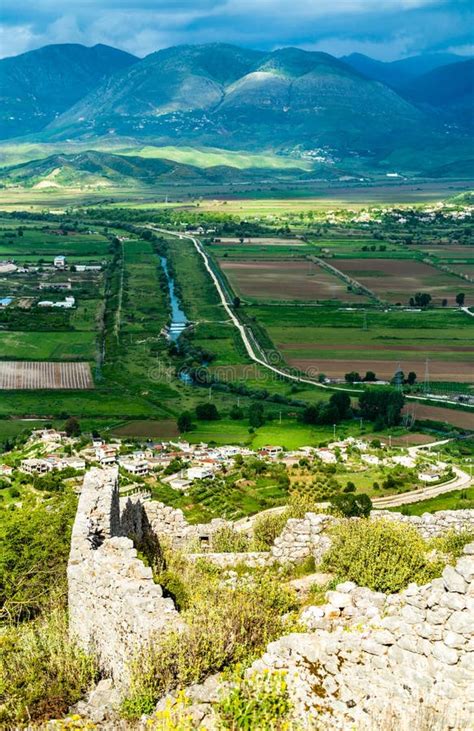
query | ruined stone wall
[394, 662]
[114, 605]
[163, 521]
[308, 536]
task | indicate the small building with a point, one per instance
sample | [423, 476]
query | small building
[206, 472]
[6, 470]
[106, 454]
[59, 262]
[36, 466]
[134, 466]
[271, 451]
[429, 476]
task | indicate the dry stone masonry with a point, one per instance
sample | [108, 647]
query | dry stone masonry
[114, 605]
[374, 661]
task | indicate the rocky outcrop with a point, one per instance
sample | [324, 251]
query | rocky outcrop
[114, 605]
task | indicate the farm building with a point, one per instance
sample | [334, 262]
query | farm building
[59, 262]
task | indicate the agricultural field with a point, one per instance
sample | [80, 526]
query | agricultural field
[302, 281]
[336, 341]
[36, 375]
[395, 281]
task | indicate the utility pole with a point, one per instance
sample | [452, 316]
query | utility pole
[210, 394]
[426, 383]
[280, 418]
[334, 431]
[361, 423]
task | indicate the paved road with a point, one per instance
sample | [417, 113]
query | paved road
[459, 482]
[244, 331]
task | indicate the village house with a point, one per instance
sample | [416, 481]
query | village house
[137, 467]
[271, 452]
[59, 262]
[106, 454]
[36, 466]
[6, 470]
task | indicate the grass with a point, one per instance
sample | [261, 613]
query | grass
[456, 500]
[75, 345]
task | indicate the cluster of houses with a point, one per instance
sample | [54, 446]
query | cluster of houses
[192, 462]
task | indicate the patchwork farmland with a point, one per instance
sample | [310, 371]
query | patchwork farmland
[396, 280]
[301, 280]
[19, 375]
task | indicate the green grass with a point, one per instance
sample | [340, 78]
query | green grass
[456, 500]
[75, 345]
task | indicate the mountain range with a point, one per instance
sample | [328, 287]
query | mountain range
[289, 101]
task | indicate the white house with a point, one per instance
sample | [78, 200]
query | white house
[36, 466]
[59, 262]
[106, 454]
[134, 466]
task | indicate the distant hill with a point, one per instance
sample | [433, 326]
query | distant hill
[398, 73]
[37, 86]
[92, 169]
[448, 88]
[226, 96]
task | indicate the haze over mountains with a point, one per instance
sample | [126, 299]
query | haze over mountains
[288, 101]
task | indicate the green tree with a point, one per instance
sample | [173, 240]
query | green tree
[184, 422]
[207, 412]
[256, 415]
[72, 427]
[460, 299]
[383, 405]
[352, 377]
[352, 506]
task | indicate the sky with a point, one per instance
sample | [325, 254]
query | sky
[384, 29]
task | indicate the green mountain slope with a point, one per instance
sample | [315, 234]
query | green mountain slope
[37, 86]
[226, 96]
[100, 169]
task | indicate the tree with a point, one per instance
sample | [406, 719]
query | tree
[352, 506]
[72, 427]
[256, 415]
[411, 378]
[236, 302]
[236, 413]
[398, 378]
[352, 377]
[444, 302]
[370, 376]
[184, 422]
[207, 412]
[460, 299]
[383, 406]
[422, 299]
[342, 402]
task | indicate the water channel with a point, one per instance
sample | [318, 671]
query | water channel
[179, 321]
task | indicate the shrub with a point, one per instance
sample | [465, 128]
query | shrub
[228, 540]
[34, 549]
[224, 627]
[267, 528]
[41, 671]
[352, 506]
[452, 543]
[257, 701]
[379, 554]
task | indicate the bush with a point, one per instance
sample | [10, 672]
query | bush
[258, 701]
[266, 528]
[41, 671]
[224, 627]
[34, 549]
[380, 554]
[228, 540]
[452, 543]
[352, 506]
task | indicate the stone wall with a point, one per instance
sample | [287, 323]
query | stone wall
[138, 516]
[308, 536]
[394, 662]
[114, 605]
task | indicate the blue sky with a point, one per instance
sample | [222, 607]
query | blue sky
[385, 29]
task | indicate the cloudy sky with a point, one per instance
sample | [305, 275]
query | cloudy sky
[385, 29]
